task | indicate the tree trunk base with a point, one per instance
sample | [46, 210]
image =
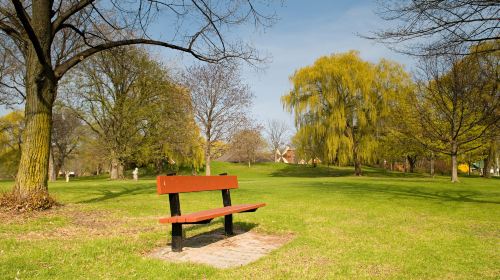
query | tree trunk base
[34, 201]
[357, 169]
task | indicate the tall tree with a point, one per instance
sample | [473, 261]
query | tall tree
[66, 133]
[54, 36]
[121, 94]
[220, 101]
[91, 156]
[339, 103]
[171, 134]
[457, 105]
[395, 145]
[247, 144]
[276, 132]
[397, 141]
[423, 27]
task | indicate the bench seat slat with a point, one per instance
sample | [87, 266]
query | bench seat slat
[210, 214]
[184, 184]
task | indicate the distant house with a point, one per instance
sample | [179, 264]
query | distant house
[287, 156]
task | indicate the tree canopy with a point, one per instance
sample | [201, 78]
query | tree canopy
[40, 41]
[220, 102]
[135, 108]
[339, 103]
[456, 105]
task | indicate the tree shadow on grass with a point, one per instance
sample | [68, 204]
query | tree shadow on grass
[392, 191]
[209, 237]
[306, 171]
[109, 194]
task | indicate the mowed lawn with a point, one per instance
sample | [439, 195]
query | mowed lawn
[379, 226]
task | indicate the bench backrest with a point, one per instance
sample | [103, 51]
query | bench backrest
[183, 184]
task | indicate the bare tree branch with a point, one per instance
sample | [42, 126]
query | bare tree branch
[439, 27]
[64, 16]
[70, 63]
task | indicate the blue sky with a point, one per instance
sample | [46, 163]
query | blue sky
[305, 31]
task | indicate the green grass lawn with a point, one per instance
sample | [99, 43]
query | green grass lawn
[379, 226]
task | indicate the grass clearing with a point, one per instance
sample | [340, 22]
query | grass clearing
[381, 226]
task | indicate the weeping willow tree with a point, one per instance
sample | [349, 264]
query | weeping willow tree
[340, 103]
[11, 129]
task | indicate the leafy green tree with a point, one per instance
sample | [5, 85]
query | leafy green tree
[45, 39]
[91, 157]
[133, 106]
[339, 104]
[457, 103]
[171, 134]
[247, 144]
[308, 146]
[11, 128]
[394, 146]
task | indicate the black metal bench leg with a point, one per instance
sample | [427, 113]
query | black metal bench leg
[176, 237]
[228, 224]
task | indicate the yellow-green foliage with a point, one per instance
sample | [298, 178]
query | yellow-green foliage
[339, 102]
[190, 151]
[11, 127]
[458, 106]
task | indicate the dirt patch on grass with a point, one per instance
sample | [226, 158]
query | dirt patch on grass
[378, 270]
[217, 250]
[73, 221]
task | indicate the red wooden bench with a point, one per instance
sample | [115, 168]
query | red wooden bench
[173, 185]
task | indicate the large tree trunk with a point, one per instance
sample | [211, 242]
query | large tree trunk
[57, 169]
[59, 163]
[41, 84]
[357, 162]
[454, 163]
[52, 167]
[412, 161]
[33, 169]
[454, 168]
[207, 159]
[357, 167]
